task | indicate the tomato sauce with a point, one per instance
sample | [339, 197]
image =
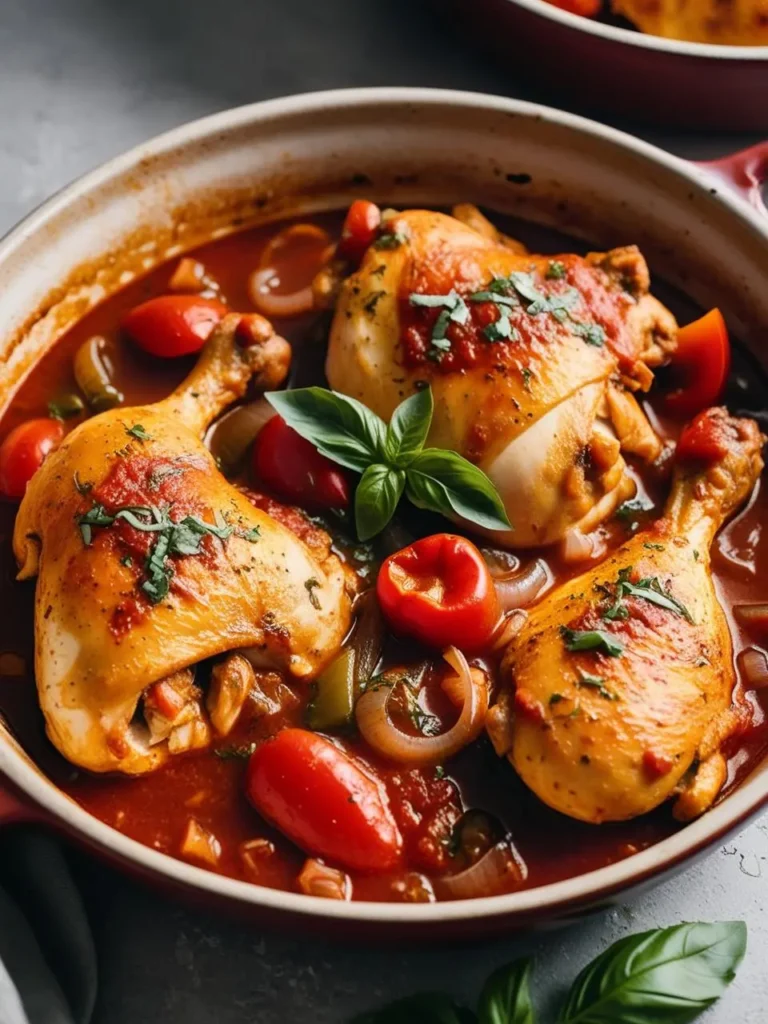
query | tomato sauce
[426, 803]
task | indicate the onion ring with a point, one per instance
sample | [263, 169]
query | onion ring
[519, 589]
[379, 732]
[491, 874]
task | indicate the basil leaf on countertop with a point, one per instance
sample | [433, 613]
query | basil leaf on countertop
[665, 976]
[426, 1008]
[409, 427]
[444, 481]
[376, 498]
[506, 996]
[339, 427]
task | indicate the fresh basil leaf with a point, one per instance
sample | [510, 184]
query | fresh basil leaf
[409, 427]
[427, 1008]
[376, 498]
[664, 976]
[339, 427]
[506, 996]
[444, 482]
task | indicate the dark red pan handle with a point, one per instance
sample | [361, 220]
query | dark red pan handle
[746, 172]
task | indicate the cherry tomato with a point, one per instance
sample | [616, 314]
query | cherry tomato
[707, 438]
[294, 469]
[23, 451]
[439, 590]
[701, 362]
[323, 800]
[360, 228]
[586, 8]
[173, 325]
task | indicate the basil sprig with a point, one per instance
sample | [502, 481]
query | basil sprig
[664, 976]
[392, 459]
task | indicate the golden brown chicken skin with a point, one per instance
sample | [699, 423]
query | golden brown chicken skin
[619, 684]
[532, 371]
[149, 561]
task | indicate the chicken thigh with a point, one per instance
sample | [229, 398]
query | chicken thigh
[619, 684]
[532, 360]
[149, 561]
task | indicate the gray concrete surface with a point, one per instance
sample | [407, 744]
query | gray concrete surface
[81, 80]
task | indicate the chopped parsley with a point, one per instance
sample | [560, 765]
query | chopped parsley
[127, 561]
[593, 334]
[310, 586]
[653, 547]
[695, 555]
[592, 640]
[555, 270]
[555, 698]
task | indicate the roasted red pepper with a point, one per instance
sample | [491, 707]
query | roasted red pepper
[439, 590]
[360, 228]
[173, 325]
[700, 364]
[324, 801]
[706, 438]
[294, 469]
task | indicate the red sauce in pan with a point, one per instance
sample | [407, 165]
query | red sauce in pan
[155, 809]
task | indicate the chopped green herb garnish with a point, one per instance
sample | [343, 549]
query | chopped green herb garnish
[653, 547]
[575, 712]
[695, 555]
[138, 432]
[555, 270]
[593, 334]
[596, 683]
[310, 586]
[502, 330]
[592, 640]
[251, 535]
[647, 589]
[526, 375]
[127, 561]
[173, 538]
[390, 241]
[439, 772]
[555, 698]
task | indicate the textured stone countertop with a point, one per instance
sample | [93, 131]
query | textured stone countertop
[82, 80]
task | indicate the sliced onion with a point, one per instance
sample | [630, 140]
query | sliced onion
[519, 589]
[270, 303]
[380, 733]
[266, 278]
[492, 873]
[577, 547]
[500, 562]
[230, 437]
[753, 665]
[509, 627]
[755, 615]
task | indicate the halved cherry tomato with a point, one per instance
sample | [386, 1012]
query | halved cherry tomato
[359, 230]
[706, 438]
[439, 590]
[173, 325]
[294, 469]
[701, 362]
[23, 451]
[323, 800]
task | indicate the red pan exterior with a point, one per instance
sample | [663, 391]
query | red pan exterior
[646, 83]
